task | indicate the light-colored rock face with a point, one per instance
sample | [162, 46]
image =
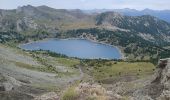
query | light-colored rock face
[19, 22]
[164, 75]
[159, 86]
[30, 23]
[48, 96]
[25, 23]
[7, 86]
[146, 36]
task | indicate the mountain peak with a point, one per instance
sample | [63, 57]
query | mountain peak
[44, 7]
[27, 6]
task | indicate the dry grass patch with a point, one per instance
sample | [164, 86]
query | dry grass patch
[86, 91]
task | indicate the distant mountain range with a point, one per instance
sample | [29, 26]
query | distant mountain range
[28, 19]
[161, 14]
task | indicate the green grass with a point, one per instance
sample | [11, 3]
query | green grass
[68, 62]
[48, 64]
[111, 69]
[24, 65]
[49, 69]
[59, 58]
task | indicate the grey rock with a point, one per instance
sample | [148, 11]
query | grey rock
[8, 86]
[2, 88]
[164, 96]
[48, 96]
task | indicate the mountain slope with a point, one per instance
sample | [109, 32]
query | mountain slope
[143, 25]
[33, 18]
[161, 14]
[27, 75]
[28, 18]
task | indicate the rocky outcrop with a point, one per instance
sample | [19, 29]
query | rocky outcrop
[8, 83]
[159, 87]
[156, 87]
[163, 77]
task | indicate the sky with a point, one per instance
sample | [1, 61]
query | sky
[89, 4]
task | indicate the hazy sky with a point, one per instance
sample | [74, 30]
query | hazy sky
[89, 4]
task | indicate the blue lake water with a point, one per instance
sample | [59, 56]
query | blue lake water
[76, 48]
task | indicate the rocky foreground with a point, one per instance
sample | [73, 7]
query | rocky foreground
[155, 88]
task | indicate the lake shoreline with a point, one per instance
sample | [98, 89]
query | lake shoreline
[118, 48]
[94, 41]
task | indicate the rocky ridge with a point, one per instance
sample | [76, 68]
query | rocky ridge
[159, 86]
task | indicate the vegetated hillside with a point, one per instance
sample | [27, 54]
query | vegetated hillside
[137, 36]
[130, 43]
[148, 34]
[146, 26]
